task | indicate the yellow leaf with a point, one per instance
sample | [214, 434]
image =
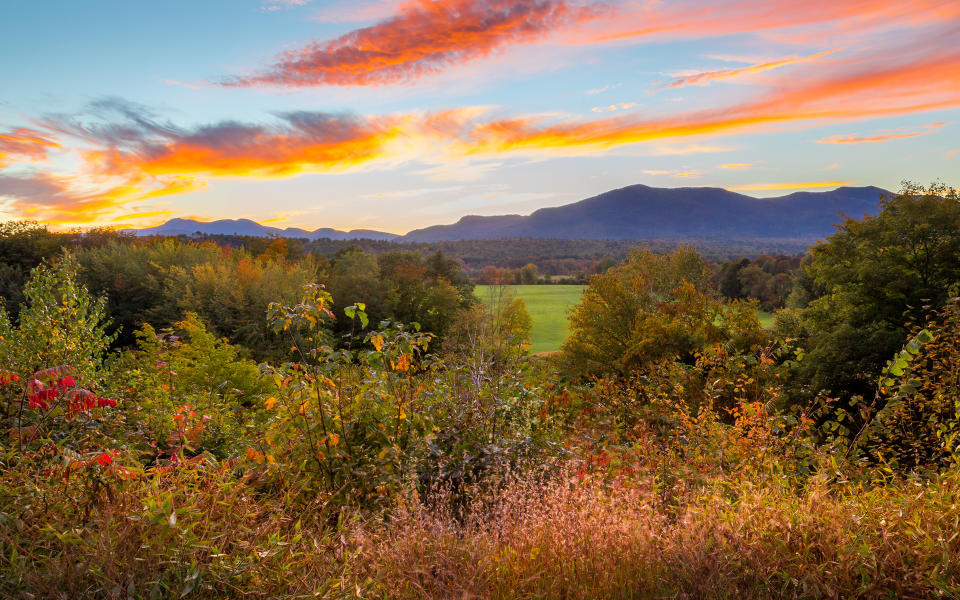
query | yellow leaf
[377, 342]
[403, 363]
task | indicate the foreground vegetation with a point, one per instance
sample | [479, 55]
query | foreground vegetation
[249, 432]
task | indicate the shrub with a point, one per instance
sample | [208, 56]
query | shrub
[60, 324]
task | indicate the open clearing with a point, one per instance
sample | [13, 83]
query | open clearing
[766, 319]
[547, 305]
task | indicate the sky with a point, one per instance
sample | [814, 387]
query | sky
[399, 114]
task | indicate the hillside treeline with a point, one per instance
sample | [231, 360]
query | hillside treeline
[184, 419]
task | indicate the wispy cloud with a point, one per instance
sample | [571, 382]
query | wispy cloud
[737, 166]
[272, 5]
[707, 77]
[23, 144]
[414, 193]
[65, 200]
[850, 138]
[679, 150]
[603, 89]
[152, 215]
[696, 19]
[911, 81]
[350, 11]
[679, 174]
[762, 187]
[614, 107]
[425, 37]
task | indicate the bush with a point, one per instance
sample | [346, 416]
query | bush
[649, 308]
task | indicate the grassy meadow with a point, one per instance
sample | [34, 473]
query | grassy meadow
[547, 305]
[766, 319]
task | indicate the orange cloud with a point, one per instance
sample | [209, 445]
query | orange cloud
[61, 200]
[759, 187]
[886, 87]
[133, 157]
[137, 159]
[850, 138]
[736, 166]
[426, 36]
[304, 142]
[142, 215]
[24, 144]
[706, 77]
[696, 19]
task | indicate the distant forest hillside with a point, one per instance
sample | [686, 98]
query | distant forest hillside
[552, 256]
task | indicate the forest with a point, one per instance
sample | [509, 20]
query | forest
[227, 417]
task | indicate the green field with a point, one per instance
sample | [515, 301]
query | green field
[766, 319]
[547, 305]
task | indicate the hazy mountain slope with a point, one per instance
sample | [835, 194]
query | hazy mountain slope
[248, 227]
[636, 212]
[643, 212]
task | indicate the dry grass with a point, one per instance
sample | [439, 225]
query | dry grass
[586, 539]
[570, 538]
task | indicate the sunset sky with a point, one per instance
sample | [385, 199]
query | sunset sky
[398, 114]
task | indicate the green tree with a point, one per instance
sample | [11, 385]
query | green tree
[879, 273]
[529, 274]
[232, 296]
[23, 246]
[729, 278]
[59, 324]
[355, 277]
[143, 282]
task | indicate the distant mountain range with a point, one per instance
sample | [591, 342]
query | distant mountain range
[191, 227]
[641, 212]
[636, 212]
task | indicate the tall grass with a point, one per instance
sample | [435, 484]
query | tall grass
[587, 539]
[570, 536]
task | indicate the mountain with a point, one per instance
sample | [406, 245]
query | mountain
[640, 212]
[636, 212]
[247, 227]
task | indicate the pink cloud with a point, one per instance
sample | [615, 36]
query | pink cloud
[425, 37]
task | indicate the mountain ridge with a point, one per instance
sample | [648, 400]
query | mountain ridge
[636, 212]
[190, 227]
[644, 212]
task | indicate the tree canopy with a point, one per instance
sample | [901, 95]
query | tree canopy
[879, 273]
